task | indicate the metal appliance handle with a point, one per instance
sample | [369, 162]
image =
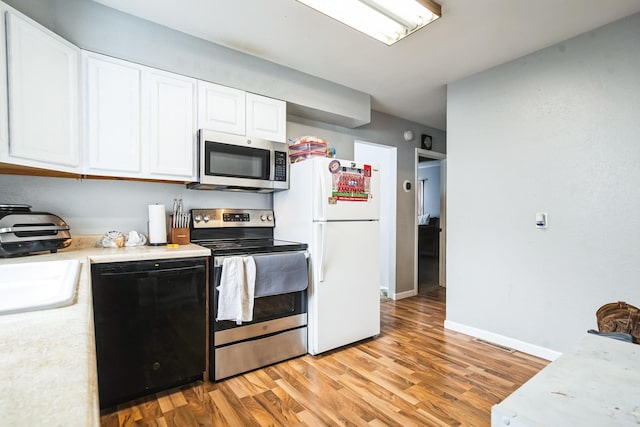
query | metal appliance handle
[219, 260]
[323, 242]
[149, 273]
[320, 204]
[34, 228]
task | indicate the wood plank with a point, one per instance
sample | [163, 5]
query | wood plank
[280, 411]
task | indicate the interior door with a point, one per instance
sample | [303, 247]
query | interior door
[344, 297]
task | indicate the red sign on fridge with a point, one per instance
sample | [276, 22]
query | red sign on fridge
[352, 184]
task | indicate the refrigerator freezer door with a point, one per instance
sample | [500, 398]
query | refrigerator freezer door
[344, 297]
[344, 190]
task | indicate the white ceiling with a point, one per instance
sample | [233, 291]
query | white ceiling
[408, 79]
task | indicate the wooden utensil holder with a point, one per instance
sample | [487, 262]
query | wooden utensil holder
[181, 236]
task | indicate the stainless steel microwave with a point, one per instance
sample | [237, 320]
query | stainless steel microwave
[240, 163]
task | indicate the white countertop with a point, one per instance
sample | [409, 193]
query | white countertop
[595, 383]
[48, 361]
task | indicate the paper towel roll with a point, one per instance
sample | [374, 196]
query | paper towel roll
[157, 225]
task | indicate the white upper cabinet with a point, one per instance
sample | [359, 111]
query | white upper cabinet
[140, 121]
[225, 109]
[266, 118]
[43, 92]
[221, 108]
[171, 125]
[114, 132]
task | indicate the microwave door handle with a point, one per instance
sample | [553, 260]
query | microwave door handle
[270, 163]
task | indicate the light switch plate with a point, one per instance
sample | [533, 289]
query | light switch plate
[541, 220]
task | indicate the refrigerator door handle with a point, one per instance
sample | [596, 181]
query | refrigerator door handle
[322, 241]
[322, 207]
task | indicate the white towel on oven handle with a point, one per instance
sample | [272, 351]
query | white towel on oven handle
[236, 289]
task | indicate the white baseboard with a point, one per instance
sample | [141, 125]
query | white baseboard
[406, 294]
[522, 346]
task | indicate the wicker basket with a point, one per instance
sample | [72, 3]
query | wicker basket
[619, 317]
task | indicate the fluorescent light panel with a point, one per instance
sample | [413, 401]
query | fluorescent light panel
[385, 20]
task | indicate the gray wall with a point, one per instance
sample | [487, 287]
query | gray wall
[96, 206]
[557, 131]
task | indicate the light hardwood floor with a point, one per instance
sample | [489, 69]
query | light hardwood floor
[415, 373]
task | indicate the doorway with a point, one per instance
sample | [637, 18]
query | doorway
[430, 236]
[385, 157]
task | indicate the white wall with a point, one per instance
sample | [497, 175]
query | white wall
[385, 158]
[557, 131]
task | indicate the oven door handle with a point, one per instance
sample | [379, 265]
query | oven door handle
[219, 260]
[25, 228]
[321, 204]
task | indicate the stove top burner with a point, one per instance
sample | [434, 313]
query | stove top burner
[238, 232]
[237, 246]
[220, 244]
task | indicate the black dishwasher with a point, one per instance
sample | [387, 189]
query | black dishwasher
[150, 320]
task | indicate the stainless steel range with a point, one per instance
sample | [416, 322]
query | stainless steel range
[276, 329]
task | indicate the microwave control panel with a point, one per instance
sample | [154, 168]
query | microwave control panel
[280, 166]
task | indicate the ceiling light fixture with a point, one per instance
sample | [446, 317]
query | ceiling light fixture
[385, 20]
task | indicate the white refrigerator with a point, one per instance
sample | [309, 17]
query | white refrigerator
[333, 205]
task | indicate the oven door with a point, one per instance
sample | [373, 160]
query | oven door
[283, 311]
[237, 161]
[277, 332]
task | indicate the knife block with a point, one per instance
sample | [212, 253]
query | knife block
[181, 236]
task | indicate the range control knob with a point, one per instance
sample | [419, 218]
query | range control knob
[206, 218]
[269, 218]
[197, 218]
[263, 217]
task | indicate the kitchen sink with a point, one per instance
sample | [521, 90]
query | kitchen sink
[37, 285]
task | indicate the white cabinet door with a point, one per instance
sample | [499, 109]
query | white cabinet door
[113, 121]
[44, 96]
[221, 108]
[171, 127]
[266, 118]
